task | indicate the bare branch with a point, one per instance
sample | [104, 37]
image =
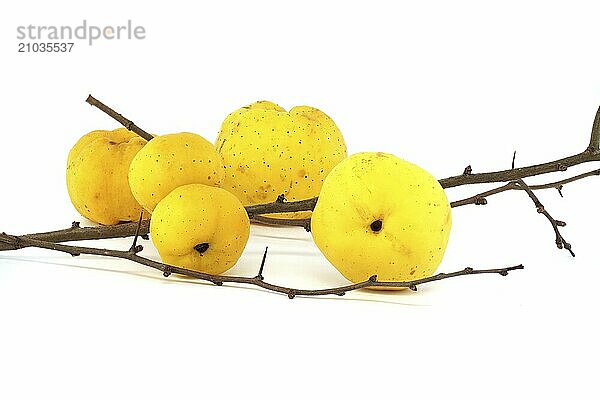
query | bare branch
[77, 233]
[591, 153]
[512, 174]
[22, 242]
[281, 206]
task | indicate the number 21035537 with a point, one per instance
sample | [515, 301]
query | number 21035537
[51, 47]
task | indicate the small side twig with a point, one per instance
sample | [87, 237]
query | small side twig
[480, 198]
[118, 117]
[304, 222]
[560, 240]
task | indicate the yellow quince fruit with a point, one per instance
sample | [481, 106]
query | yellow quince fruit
[97, 168]
[268, 151]
[200, 227]
[380, 215]
[170, 161]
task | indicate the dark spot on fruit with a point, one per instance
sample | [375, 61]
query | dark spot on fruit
[376, 225]
[201, 248]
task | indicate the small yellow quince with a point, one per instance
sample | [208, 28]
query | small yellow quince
[170, 161]
[97, 169]
[200, 227]
[268, 151]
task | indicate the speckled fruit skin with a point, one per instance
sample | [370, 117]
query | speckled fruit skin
[197, 214]
[267, 151]
[97, 176]
[415, 216]
[170, 161]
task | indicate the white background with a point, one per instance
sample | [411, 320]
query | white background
[442, 84]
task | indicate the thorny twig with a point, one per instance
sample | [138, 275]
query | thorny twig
[258, 280]
[591, 153]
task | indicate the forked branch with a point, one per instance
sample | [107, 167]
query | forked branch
[481, 198]
[560, 240]
[77, 233]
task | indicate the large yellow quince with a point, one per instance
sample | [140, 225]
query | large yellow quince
[199, 227]
[97, 176]
[267, 152]
[170, 161]
[380, 215]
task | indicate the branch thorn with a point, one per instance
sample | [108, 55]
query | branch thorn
[134, 247]
[594, 146]
[262, 265]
